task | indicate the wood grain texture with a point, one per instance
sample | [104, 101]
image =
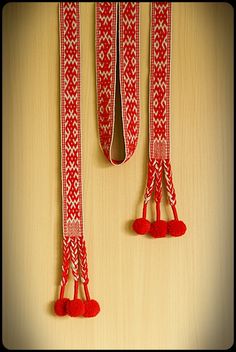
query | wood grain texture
[154, 294]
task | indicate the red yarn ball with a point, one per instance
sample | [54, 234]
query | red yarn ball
[176, 228]
[60, 306]
[141, 226]
[91, 308]
[158, 229]
[75, 307]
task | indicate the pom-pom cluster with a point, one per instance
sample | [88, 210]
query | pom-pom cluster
[159, 228]
[76, 307]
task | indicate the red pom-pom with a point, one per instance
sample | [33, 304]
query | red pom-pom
[176, 228]
[158, 229]
[141, 226]
[60, 306]
[75, 308]
[92, 308]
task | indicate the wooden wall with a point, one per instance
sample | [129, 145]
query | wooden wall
[171, 293]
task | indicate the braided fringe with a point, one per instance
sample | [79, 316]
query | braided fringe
[70, 254]
[154, 180]
[158, 183]
[83, 260]
[150, 180]
[74, 257]
[169, 182]
[157, 168]
[74, 250]
[65, 260]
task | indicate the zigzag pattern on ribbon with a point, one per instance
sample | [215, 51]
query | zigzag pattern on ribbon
[106, 63]
[160, 80]
[129, 73]
[159, 139]
[106, 18]
[70, 120]
[73, 251]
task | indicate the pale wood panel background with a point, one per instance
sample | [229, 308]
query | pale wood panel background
[167, 293]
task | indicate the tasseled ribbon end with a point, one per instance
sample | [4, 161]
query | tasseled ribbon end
[77, 307]
[141, 226]
[60, 306]
[176, 228]
[91, 308]
[159, 228]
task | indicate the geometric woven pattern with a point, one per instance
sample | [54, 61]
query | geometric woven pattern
[107, 63]
[159, 106]
[70, 119]
[74, 250]
[160, 80]
[159, 167]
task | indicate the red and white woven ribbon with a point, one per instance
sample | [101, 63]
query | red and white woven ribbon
[159, 95]
[159, 126]
[74, 249]
[107, 53]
